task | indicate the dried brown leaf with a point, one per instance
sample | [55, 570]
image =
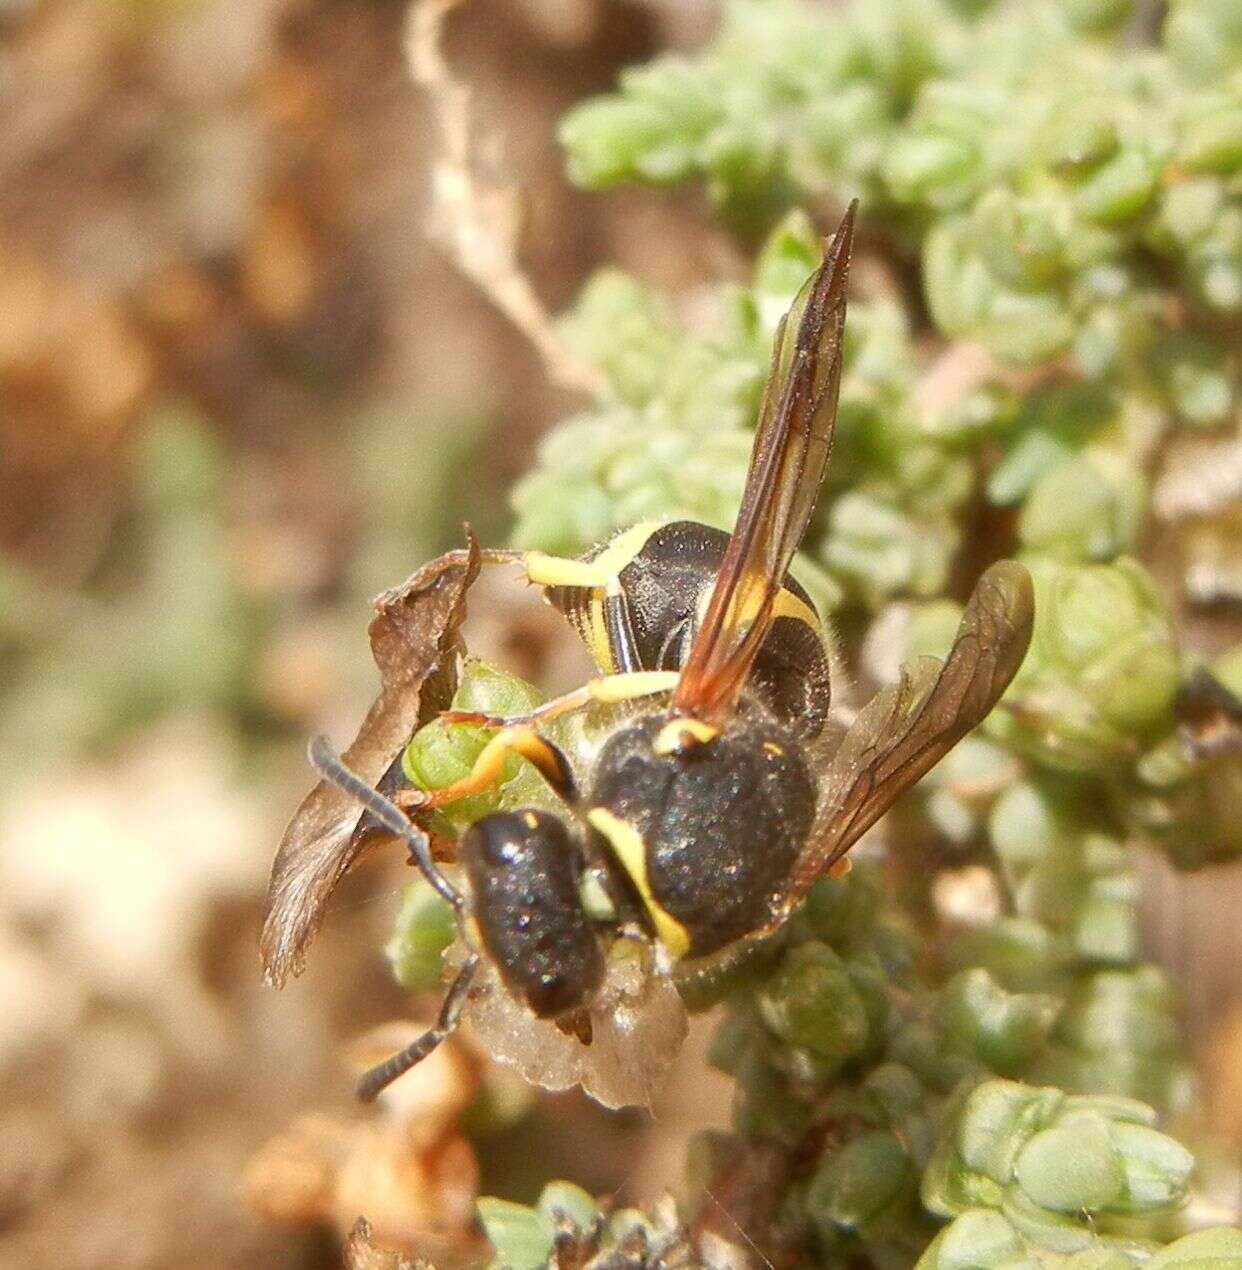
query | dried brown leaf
[414, 636]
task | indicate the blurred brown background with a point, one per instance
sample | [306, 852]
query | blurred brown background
[240, 392]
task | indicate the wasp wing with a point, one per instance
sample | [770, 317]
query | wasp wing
[413, 636]
[907, 728]
[638, 1024]
[792, 443]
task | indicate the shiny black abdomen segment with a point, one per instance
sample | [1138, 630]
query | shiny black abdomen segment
[722, 825]
[523, 869]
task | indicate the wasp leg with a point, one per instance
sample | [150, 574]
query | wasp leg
[371, 1083]
[521, 739]
[328, 764]
[563, 571]
[544, 570]
[607, 690]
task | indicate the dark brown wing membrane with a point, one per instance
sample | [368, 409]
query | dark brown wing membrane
[791, 450]
[413, 638]
[908, 728]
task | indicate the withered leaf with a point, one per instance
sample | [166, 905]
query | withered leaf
[414, 639]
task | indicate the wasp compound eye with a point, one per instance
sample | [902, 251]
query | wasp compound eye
[523, 868]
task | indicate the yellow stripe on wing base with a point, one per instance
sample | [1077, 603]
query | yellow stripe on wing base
[627, 845]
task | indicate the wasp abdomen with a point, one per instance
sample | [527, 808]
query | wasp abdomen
[523, 870]
[706, 836]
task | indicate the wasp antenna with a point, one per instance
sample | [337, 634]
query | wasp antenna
[327, 762]
[373, 1082]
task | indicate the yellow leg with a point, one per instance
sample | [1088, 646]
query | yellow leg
[557, 571]
[522, 740]
[607, 690]
[544, 570]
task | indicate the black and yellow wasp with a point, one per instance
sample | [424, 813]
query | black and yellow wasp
[716, 801]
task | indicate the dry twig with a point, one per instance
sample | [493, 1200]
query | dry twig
[476, 218]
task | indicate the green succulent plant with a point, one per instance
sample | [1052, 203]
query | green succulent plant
[1047, 186]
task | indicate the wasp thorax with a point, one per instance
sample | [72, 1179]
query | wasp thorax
[707, 835]
[524, 875]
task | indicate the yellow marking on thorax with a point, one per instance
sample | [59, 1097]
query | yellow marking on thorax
[774, 749]
[625, 546]
[631, 852]
[679, 734]
[790, 605]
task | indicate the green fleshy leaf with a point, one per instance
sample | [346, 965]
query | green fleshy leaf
[1213, 1249]
[424, 929]
[1005, 1029]
[996, 1120]
[521, 1236]
[980, 1239]
[441, 753]
[854, 1186]
[1072, 1167]
[565, 1202]
[811, 1002]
